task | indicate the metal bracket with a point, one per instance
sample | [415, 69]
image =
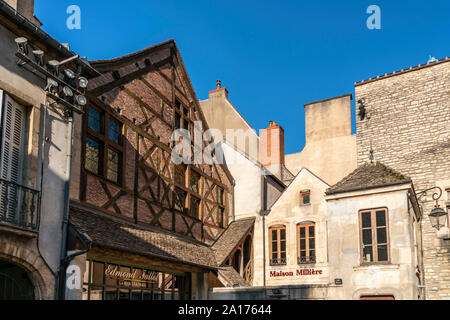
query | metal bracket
[436, 195]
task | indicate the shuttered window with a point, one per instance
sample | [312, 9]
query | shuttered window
[13, 127]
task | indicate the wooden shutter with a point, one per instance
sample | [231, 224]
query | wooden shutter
[13, 127]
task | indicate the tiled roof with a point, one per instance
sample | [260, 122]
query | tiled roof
[368, 176]
[119, 235]
[395, 73]
[232, 277]
[230, 238]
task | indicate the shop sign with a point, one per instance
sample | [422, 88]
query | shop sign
[135, 278]
[298, 272]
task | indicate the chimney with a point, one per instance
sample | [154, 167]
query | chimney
[272, 148]
[25, 8]
[219, 91]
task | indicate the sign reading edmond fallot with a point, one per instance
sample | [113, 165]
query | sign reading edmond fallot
[298, 272]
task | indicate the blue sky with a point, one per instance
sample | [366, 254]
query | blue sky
[273, 57]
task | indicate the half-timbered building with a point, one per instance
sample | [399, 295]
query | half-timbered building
[138, 211]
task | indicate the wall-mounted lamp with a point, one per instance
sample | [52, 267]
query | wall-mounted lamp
[362, 108]
[437, 216]
[65, 85]
[22, 45]
[39, 56]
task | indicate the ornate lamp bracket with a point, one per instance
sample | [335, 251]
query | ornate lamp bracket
[436, 195]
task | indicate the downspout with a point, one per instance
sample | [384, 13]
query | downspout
[65, 223]
[421, 256]
[264, 248]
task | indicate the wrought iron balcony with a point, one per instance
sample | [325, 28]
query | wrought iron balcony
[19, 205]
[278, 262]
[306, 260]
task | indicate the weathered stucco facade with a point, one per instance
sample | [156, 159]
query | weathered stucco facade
[330, 148]
[32, 242]
[407, 124]
[397, 278]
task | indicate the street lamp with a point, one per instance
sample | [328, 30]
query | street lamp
[437, 215]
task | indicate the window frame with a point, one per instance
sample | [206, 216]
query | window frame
[183, 116]
[373, 228]
[189, 192]
[279, 261]
[304, 193]
[105, 144]
[306, 225]
[221, 208]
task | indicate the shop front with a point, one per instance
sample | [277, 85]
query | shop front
[124, 261]
[109, 281]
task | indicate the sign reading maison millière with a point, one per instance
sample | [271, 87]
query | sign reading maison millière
[299, 272]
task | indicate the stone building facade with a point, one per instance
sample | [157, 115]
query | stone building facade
[34, 144]
[407, 126]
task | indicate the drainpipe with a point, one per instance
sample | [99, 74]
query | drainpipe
[65, 224]
[264, 248]
[421, 255]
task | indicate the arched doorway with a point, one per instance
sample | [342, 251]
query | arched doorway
[15, 283]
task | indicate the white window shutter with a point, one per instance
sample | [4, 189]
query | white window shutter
[13, 127]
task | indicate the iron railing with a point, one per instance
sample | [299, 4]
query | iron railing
[278, 262]
[306, 260]
[19, 205]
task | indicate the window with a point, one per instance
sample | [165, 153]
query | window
[305, 197]
[277, 245]
[103, 149]
[221, 217]
[181, 117]
[188, 184]
[195, 182]
[195, 207]
[12, 136]
[306, 234]
[374, 236]
[221, 207]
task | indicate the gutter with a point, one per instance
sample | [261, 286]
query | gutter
[330, 193]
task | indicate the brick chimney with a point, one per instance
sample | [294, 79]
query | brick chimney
[272, 148]
[25, 8]
[219, 91]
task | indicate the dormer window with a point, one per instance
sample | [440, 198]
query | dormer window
[305, 197]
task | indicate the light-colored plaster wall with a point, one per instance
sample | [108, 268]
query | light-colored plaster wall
[330, 148]
[396, 278]
[222, 115]
[288, 211]
[248, 188]
[27, 89]
[332, 159]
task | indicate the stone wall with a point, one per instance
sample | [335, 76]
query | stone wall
[408, 127]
